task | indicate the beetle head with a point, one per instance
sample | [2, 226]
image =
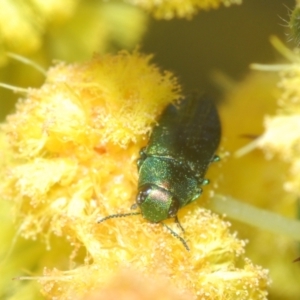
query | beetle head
[156, 203]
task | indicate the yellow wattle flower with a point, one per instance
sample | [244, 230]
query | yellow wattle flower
[281, 137]
[168, 9]
[73, 146]
[253, 185]
[22, 25]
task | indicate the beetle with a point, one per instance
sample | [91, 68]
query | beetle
[173, 164]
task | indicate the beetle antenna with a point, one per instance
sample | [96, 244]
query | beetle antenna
[118, 216]
[184, 243]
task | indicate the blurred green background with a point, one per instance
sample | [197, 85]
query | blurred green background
[227, 39]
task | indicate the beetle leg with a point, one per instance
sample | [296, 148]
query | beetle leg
[178, 223]
[184, 243]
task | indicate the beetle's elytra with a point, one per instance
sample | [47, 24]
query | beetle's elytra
[173, 164]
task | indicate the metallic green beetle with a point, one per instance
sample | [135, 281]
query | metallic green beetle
[173, 164]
